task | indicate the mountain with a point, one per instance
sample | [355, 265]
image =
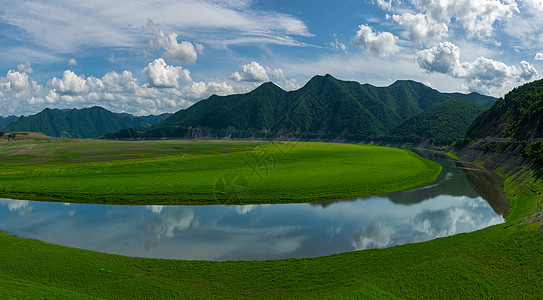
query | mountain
[441, 123]
[81, 123]
[519, 115]
[325, 108]
[5, 121]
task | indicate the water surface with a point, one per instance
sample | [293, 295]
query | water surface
[459, 201]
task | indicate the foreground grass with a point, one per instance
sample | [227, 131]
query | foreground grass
[204, 172]
[503, 261]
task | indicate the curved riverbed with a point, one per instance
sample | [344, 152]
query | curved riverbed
[461, 200]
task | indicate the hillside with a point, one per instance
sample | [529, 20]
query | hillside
[80, 123]
[519, 115]
[325, 108]
[5, 121]
[440, 124]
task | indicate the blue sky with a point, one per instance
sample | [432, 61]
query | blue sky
[147, 57]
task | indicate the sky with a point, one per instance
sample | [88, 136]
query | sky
[149, 57]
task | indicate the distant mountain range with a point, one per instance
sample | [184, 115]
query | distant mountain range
[325, 108]
[4, 121]
[441, 124]
[81, 123]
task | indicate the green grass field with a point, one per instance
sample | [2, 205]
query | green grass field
[204, 172]
[502, 261]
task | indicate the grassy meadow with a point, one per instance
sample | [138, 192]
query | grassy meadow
[204, 172]
[502, 261]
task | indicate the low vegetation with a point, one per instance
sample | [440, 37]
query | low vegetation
[204, 172]
[502, 261]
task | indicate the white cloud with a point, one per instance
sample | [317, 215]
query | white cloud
[14, 81]
[118, 92]
[89, 24]
[200, 90]
[386, 4]
[72, 62]
[70, 83]
[476, 17]
[179, 52]
[380, 43]
[539, 56]
[16, 91]
[525, 27]
[337, 45]
[256, 74]
[482, 74]
[161, 75]
[114, 82]
[443, 58]
[252, 72]
[421, 29]
[25, 67]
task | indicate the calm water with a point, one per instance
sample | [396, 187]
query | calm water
[460, 201]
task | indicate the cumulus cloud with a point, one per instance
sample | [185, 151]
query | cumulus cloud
[476, 17]
[17, 90]
[252, 72]
[25, 67]
[70, 83]
[483, 74]
[161, 75]
[199, 90]
[72, 62]
[421, 28]
[255, 73]
[180, 52]
[380, 43]
[15, 81]
[114, 91]
[539, 56]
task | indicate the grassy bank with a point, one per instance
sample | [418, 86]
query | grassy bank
[204, 172]
[503, 261]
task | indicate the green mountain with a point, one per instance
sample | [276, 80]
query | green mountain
[5, 121]
[442, 123]
[81, 123]
[519, 115]
[325, 108]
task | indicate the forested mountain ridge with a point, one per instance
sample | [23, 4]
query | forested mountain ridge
[441, 124]
[518, 115]
[5, 121]
[325, 108]
[80, 123]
